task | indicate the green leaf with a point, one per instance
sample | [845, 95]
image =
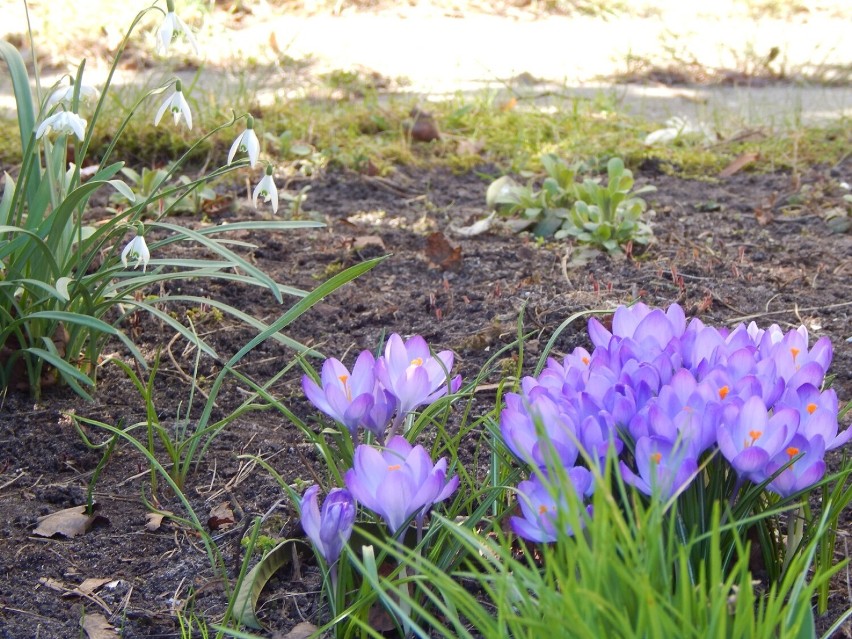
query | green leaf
[226, 253]
[245, 599]
[125, 190]
[69, 373]
[26, 113]
[6, 202]
[92, 323]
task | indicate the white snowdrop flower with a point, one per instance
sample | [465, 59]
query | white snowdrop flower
[63, 122]
[676, 128]
[266, 188]
[171, 29]
[246, 142]
[136, 249]
[177, 104]
[66, 94]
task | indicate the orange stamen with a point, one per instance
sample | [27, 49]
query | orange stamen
[755, 435]
[585, 360]
[811, 408]
[343, 379]
[794, 351]
[394, 467]
[723, 392]
[792, 451]
[417, 361]
[542, 509]
[657, 458]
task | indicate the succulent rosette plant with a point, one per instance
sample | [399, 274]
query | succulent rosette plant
[399, 481]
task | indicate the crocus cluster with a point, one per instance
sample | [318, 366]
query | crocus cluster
[382, 391]
[674, 392]
[398, 481]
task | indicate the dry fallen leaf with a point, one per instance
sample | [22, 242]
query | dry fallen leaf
[467, 146]
[221, 517]
[738, 164]
[441, 254]
[153, 521]
[96, 626]
[301, 631]
[477, 228]
[363, 241]
[71, 522]
[89, 586]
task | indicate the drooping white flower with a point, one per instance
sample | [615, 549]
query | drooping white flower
[136, 249]
[177, 104]
[66, 95]
[677, 127]
[266, 188]
[172, 28]
[246, 142]
[63, 122]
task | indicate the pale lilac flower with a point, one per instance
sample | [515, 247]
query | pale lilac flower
[330, 529]
[684, 410]
[247, 143]
[748, 437]
[665, 467]
[177, 104]
[345, 397]
[806, 469]
[399, 481]
[543, 514]
[267, 190]
[536, 431]
[413, 375]
[63, 122]
[136, 249]
[376, 419]
[640, 323]
[172, 28]
[817, 414]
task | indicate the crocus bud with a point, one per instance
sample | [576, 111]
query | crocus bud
[330, 529]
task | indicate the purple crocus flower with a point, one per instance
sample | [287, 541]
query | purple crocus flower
[330, 529]
[535, 429]
[665, 467]
[684, 410]
[541, 509]
[398, 481]
[344, 397]
[806, 469]
[817, 414]
[640, 323]
[410, 372]
[748, 437]
[377, 418]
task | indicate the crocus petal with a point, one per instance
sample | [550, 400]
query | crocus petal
[311, 516]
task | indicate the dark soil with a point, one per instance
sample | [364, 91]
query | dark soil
[747, 247]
